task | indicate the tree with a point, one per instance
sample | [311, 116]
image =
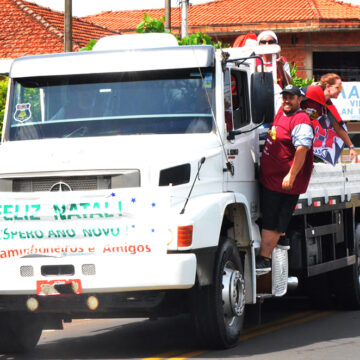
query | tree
[151, 25]
[89, 46]
[200, 39]
[298, 81]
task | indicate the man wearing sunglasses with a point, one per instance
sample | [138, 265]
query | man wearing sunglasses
[317, 104]
[283, 69]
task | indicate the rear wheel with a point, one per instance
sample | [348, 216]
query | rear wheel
[347, 280]
[219, 308]
[19, 332]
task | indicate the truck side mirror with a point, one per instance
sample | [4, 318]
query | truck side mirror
[262, 97]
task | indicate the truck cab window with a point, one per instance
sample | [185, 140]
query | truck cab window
[228, 101]
[240, 98]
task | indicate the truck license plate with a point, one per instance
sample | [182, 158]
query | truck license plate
[58, 287]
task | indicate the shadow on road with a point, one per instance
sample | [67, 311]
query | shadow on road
[145, 338]
[139, 339]
[328, 328]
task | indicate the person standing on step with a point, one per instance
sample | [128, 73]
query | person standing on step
[285, 170]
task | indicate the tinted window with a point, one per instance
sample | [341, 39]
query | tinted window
[168, 102]
[240, 98]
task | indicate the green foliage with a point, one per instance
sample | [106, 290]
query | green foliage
[89, 46]
[32, 96]
[199, 39]
[151, 25]
[3, 92]
[298, 81]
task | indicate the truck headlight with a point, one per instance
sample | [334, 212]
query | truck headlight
[6, 185]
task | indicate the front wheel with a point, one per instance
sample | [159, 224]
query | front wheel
[219, 308]
[19, 332]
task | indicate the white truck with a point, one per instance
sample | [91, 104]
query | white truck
[128, 187]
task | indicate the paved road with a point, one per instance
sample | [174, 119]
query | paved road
[289, 330]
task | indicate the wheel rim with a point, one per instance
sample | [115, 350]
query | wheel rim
[233, 293]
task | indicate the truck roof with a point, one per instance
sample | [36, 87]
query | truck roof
[93, 62]
[5, 65]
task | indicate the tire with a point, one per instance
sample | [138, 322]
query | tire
[19, 332]
[347, 280]
[219, 309]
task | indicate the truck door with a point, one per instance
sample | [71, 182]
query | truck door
[242, 149]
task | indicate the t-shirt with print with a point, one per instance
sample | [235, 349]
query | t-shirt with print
[279, 151]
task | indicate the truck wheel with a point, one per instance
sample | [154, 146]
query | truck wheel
[19, 332]
[219, 308]
[347, 280]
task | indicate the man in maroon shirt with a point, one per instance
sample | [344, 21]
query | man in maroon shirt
[285, 170]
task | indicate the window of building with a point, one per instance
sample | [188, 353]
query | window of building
[344, 63]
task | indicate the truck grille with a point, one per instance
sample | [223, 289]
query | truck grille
[129, 178]
[75, 183]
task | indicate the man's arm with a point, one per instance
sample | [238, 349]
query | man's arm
[299, 159]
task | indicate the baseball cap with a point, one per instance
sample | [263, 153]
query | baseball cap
[291, 89]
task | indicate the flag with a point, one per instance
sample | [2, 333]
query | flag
[327, 144]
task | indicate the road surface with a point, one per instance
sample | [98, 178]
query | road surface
[289, 329]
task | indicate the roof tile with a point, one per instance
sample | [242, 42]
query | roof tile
[241, 15]
[28, 29]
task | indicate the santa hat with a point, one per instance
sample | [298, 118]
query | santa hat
[267, 33]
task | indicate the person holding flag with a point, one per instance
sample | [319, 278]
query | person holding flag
[329, 130]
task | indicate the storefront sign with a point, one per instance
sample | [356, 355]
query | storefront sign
[348, 102]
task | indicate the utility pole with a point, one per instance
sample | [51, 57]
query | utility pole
[168, 15]
[68, 26]
[184, 18]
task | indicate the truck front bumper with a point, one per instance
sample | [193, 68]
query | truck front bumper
[99, 274]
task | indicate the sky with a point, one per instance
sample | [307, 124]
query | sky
[90, 7]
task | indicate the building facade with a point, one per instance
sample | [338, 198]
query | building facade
[320, 36]
[29, 29]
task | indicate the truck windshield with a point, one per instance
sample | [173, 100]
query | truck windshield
[166, 102]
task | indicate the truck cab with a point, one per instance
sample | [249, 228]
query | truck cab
[129, 187]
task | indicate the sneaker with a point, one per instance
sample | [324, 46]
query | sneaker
[263, 265]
